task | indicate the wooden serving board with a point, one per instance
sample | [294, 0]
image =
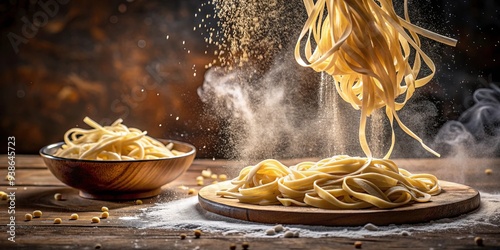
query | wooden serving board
[456, 199]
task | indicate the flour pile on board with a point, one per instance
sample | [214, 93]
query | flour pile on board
[187, 214]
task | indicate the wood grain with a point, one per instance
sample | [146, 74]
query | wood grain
[456, 199]
[36, 186]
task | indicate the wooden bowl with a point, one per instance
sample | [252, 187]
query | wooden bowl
[118, 180]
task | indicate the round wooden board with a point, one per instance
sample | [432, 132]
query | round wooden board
[456, 199]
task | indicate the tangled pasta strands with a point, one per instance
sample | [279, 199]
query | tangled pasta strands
[339, 182]
[114, 142]
[367, 47]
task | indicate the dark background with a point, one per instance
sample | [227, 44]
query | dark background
[111, 59]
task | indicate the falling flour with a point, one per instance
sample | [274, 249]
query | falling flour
[187, 214]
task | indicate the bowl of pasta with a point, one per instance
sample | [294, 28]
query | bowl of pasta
[116, 162]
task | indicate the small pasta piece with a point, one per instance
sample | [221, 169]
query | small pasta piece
[104, 215]
[138, 202]
[358, 244]
[74, 217]
[479, 241]
[57, 221]
[222, 177]
[288, 234]
[96, 220]
[245, 245]
[197, 233]
[206, 173]
[37, 214]
[279, 228]
[58, 196]
[104, 209]
[28, 217]
[270, 231]
[191, 191]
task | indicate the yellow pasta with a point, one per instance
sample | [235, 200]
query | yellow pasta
[115, 142]
[340, 182]
[366, 48]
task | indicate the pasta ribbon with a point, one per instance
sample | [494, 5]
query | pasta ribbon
[339, 182]
[367, 47]
[114, 142]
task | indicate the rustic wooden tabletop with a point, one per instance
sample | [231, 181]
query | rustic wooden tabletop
[35, 187]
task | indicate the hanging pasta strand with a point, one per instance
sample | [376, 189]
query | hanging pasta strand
[367, 47]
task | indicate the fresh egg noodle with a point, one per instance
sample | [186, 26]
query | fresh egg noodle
[366, 48]
[114, 142]
[339, 182]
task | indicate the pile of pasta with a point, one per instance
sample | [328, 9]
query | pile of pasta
[114, 142]
[339, 182]
[367, 49]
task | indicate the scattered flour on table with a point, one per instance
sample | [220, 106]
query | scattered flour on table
[187, 214]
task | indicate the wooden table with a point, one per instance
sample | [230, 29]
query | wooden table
[35, 187]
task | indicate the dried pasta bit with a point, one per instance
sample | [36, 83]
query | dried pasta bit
[270, 231]
[57, 221]
[197, 233]
[28, 217]
[58, 197]
[105, 215]
[245, 245]
[358, 244]
[4, 195]
[199, 183]
[479, 241]
[232, 246]
[183, 187]
[200, 178]
[138, 202]
[279, 228]
[191, 191]
[222, 177]
[206, 173]
[183, 236]
[105, 209]
[288, 234]
[97, 246]
[96, 220]
[74, 217]
[370, 227]
[37, 214]
[215, 182]
[9, 178]
[488, 171]
[213, 176]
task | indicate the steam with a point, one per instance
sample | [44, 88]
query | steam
[477, 131]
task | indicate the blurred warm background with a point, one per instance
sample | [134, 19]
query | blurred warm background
[138, 60]
[143, 61]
